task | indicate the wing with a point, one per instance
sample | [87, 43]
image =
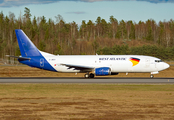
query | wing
[79, 67]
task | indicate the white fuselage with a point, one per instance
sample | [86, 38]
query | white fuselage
[117, 63]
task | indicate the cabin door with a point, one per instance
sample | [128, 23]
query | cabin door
[147, 63]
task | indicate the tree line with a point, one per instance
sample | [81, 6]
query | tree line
[101, 37]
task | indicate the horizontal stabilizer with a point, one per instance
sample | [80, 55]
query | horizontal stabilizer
[19, 58]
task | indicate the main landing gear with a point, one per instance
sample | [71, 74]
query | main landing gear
[87, 75]
[151, 76]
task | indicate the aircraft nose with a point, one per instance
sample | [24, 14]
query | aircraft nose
[166, 65]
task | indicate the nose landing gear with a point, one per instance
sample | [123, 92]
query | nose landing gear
[152, 73]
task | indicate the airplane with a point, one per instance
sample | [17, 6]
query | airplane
[91, 65]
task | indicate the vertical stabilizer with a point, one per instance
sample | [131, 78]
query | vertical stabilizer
[27, 48]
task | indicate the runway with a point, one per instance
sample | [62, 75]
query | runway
[97, 80]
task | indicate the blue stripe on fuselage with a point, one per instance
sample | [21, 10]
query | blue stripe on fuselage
[39, 62]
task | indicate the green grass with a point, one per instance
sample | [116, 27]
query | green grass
[86, 101]
[80, 88]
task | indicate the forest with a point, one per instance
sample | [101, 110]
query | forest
[90, 37]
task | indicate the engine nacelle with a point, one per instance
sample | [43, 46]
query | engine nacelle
[102, 71]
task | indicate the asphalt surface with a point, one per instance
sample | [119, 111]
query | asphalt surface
[85, 80]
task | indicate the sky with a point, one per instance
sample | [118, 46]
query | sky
[78, 10]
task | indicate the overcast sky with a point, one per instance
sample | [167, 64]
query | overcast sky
[78, 10]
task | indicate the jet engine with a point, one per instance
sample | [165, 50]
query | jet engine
[102, 71]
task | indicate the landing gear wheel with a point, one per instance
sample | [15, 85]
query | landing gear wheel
[86, 76]
[91, 75]
[151, 76]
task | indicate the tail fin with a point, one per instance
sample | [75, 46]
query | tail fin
[27, 48]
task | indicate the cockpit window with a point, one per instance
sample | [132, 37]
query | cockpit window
[158, 61]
